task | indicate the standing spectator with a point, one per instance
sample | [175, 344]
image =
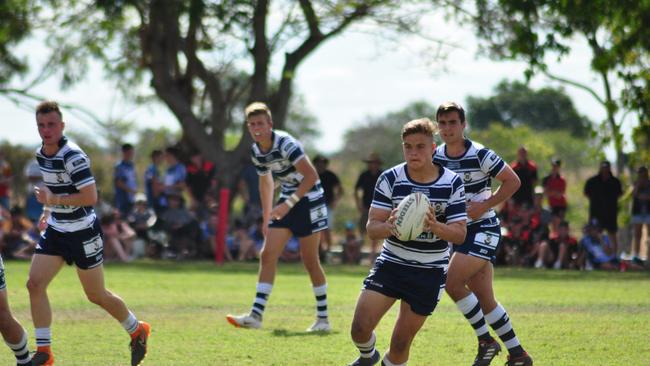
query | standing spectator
[33, 208]
[640, 213]
[153, 186]
[126, 181]
[200, 179]
[603, 191]
[333, 191]
[6, 175]
[175, 174]
[526, 170]
[555, 189]
[363, 194]
[248, 187]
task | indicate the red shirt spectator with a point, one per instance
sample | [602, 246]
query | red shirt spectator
[555, 189]
[5, 181]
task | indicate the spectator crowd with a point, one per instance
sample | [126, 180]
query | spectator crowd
[175, 216]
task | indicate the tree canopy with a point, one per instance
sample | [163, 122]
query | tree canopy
[206, 59]
[617, 33]
[516, 104]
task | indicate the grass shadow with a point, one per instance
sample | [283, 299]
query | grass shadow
[291, 333]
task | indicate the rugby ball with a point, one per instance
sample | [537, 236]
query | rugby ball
[409, 221]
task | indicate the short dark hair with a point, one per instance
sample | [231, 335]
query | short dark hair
[156, 153]
[447, 107]
[126, 147]
[173, 150]
[48, 106]
[564, 223]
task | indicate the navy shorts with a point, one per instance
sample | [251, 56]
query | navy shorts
[305, 218]
[3, 280]
[481, 240]
[421, 288]
[84, 248]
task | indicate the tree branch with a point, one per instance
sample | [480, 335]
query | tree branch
[575, 84]
[310, 16]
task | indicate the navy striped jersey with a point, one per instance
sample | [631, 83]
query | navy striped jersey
[64, 173]
[280, 160]
[476, 167]
[446, 194]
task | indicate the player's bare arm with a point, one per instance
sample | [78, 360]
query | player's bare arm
[381, 223]
[509, 184]
[453, 232]
[87, 196]
[304, 167]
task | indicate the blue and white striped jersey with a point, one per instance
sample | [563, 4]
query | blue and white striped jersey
[446, 194]
[280, 160]
[64, 173]
[476, 167]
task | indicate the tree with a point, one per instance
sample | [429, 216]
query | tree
[14, 28]
[206, 59]
[615, 31]
[515, 104]
[381, 134]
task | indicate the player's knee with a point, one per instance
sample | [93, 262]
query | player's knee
[34, 285]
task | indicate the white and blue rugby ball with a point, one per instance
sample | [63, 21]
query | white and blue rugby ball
[409, 222]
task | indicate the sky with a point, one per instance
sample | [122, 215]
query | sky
[349, 78]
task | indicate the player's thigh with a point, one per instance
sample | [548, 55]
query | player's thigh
[371, 307]
[309, 246]
[274, 243]
[463, 267]
[43, 269]
[4, 302]
[406, 327]
[92, 280]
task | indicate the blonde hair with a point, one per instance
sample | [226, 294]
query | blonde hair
[256, 108]
[420, 125]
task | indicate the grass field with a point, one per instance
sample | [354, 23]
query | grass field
[562, 318]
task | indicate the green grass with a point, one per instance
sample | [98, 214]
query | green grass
[562, 318]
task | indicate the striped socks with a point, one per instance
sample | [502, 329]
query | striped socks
[500, 322]
[367, 349]
[261, 296]
[320, 292]
[21, 351]
[471, 309]
[130, 324]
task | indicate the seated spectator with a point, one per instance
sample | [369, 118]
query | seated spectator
[559, 251]
[243, 247]
[291, 251]
[181, 227]
[20, 235]
[516, 244]
[118, 237]
[599, 251]
[351, 245]
[142, 219]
